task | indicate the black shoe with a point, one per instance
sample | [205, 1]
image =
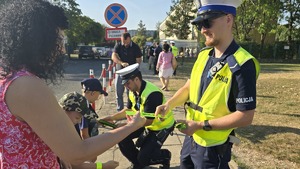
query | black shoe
[135, 166]
[165, 165]
[166, 162]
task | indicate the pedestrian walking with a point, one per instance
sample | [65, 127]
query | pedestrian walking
[157, 51]
[164, 66]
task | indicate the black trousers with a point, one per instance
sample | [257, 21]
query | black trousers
[155, 63]
[150, 152]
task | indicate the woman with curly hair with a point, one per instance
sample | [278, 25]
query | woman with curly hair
[34, 129]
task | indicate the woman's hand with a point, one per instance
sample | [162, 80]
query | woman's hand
[108, 119]
[136, 120]
[110, 164]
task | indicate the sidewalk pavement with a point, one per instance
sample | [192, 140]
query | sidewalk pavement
[173, 143]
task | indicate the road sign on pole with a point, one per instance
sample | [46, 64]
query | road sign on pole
[114, 33]
[115, 15]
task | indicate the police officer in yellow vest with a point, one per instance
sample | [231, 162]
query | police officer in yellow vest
[221, 92]
[144, 97]
[175, 53]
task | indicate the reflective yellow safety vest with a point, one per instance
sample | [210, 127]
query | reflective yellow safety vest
[156, 124]
[214, 100]
[174, 50]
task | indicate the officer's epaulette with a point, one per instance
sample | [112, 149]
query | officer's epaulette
[233, 64]
[206, 48]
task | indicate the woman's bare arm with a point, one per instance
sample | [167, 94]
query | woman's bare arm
[30, 99]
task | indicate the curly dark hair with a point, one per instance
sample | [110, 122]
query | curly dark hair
[30, 38]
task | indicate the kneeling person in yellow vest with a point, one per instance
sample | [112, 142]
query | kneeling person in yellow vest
[144, 97]
[221, 92]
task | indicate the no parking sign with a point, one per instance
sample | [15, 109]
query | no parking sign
[115, 15]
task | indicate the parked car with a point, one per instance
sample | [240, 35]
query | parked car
[86, 51]
[99, 52]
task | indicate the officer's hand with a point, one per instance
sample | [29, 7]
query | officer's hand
[110, 164]
[191, 127]
[136, 120]
[162, 110]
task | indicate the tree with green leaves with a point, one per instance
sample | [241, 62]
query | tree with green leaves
[139, 40]
[92, 32]
[267, 17]
[82, 29]
[245, 20]
[180, 15]
[141, 30]
[156, 34]
[150, 39]
[255, 17]
[291, 15]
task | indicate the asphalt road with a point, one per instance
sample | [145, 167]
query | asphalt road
[75, 71]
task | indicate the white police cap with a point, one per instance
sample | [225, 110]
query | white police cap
[211, 8]
[128, 72]
[172, 42]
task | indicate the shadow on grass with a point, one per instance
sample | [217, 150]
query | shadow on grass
[282, 114]
[276, 67]
[257, 133]
[263, 96]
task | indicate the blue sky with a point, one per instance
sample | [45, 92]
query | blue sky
[149, 11]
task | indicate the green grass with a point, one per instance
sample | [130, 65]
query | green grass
[272, 141]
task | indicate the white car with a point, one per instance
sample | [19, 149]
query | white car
[100, 51]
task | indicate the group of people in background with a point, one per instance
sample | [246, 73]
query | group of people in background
[37, 131]
[160, 59]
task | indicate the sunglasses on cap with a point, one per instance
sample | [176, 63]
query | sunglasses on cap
[208, 23]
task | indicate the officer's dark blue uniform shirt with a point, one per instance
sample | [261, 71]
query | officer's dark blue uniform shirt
[243, 81]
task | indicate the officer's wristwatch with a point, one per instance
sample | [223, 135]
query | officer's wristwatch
[207, 126]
